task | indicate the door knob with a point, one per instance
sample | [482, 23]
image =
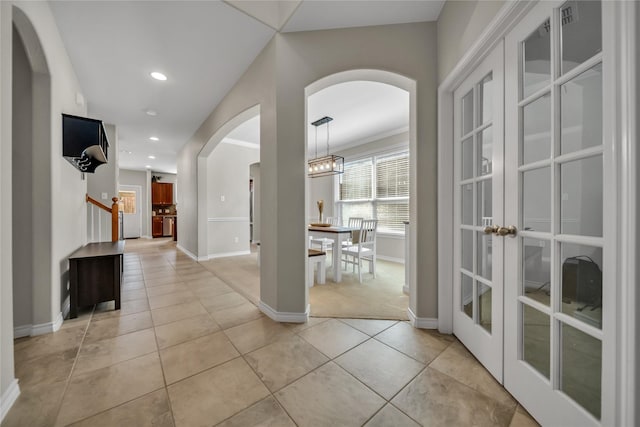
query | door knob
[510, 231]
[491, 229]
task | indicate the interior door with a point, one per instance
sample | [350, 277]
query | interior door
[478, 210]
[555, 343]
[130, 206]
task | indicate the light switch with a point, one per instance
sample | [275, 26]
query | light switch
[105, 196]
[222, 198]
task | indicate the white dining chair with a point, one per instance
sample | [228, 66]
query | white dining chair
[354, 223]
[363, 249]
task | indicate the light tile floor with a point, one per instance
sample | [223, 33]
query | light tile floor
[187, 350]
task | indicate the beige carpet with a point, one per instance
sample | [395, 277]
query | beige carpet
[379, 298]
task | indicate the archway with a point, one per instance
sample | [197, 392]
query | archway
[31, 172]
[228, 174]
[405, 84]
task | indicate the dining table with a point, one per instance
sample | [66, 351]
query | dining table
[338, 234]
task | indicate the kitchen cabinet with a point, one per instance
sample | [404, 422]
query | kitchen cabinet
[161, 193]
[156, 226]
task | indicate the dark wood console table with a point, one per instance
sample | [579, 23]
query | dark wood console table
[95, 273]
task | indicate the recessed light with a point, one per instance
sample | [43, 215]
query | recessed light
[154, 138]
[152, 157]
[152, 113]
[148, 166]
[158, 76]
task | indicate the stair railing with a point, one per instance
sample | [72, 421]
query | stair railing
[113, 210]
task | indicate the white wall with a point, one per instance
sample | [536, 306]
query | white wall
[228, 178]
[389, 246]
[142, 179]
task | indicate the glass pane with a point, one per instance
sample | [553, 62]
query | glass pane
[467, 158]
[536, 199]
[484, 255]
[484, 203]
[582, 368]
[536, 269]
[536, 130]
[127, 202]
[537, 59]
[467, 249]
[467, 295]
[581, 32]
[581, 111]
[484, 306]
[486, 99]
[467, 113]
[485, 152]
[467, 204]
[582, 283]
[581, 206]
[536, 345]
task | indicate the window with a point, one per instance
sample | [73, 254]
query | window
[377, 187]
[127, 202]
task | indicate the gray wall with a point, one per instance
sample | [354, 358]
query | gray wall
[254, 172]
[325, 188]
[228, 177]
[55, 89]
[142, 179]
[459, 25]
[22, 179]
[299, 59]
[6, 279]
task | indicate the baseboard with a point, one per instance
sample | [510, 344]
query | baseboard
[227, 254]
[405, 289]
[284, 316]
[41, 328]
[422, 322]
[186, 252]
[22, 331]
[8, 398]
[390, 258]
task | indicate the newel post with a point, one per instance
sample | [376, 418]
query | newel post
[114, 220]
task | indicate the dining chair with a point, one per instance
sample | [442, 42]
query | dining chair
[354, 223]
[363, 249]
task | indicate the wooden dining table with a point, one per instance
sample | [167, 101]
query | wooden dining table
[338, 235]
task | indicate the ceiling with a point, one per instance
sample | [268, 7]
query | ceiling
[202, 47]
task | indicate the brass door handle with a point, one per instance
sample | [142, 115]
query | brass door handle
[510, 231]
[489, 229]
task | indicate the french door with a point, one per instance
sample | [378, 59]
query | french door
[534, 234]
[479, 206]
[555, 302]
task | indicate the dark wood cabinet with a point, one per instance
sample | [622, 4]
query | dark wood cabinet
[161, 193]
[156, 226]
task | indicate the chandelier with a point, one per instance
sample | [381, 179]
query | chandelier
[326, 165]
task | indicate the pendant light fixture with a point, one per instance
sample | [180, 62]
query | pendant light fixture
[326, 165]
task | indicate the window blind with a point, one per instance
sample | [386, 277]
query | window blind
[355, 182]
[377, 187]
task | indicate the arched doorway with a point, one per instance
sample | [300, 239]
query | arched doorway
[228, 224]
[385, 146]
[31, 172]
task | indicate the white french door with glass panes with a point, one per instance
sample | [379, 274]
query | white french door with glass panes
[557, 313]
[478, 195]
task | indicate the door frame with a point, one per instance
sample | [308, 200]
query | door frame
[622, 47]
